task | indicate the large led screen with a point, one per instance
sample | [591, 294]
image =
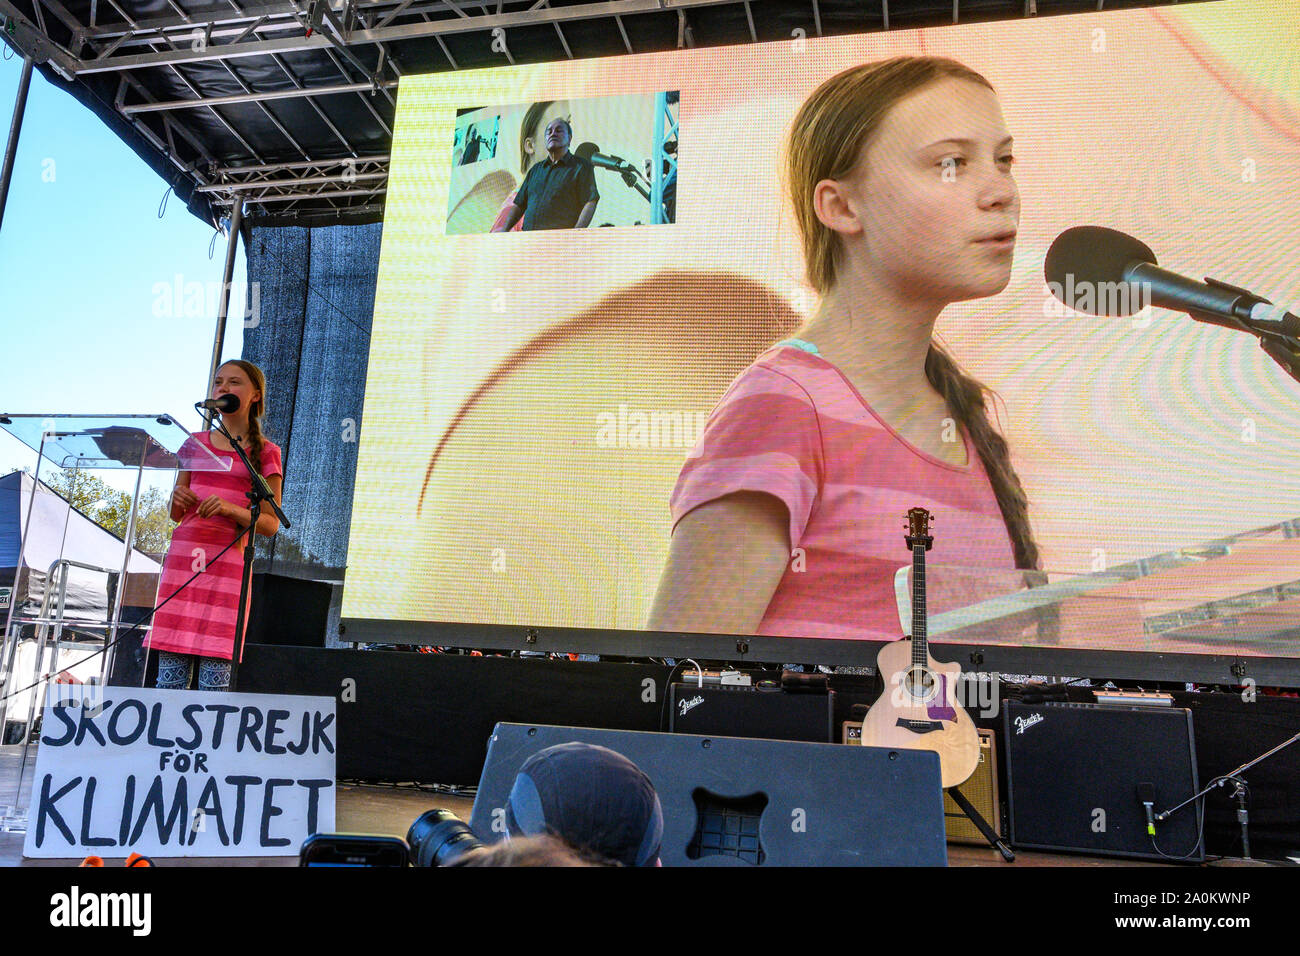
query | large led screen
[547, 407]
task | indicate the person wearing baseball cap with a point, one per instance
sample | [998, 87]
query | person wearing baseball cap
[593, 798]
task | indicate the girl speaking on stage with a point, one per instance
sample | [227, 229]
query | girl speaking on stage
[198, 626]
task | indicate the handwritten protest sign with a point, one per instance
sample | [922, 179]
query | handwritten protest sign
[180, 773]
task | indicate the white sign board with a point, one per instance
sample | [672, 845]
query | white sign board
[180, 773]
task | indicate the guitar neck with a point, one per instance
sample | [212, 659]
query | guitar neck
[920, 650]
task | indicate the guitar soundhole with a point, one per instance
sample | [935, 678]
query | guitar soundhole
[919, 684]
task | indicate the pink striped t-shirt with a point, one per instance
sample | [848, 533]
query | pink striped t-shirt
[793, 426]
[201, 618]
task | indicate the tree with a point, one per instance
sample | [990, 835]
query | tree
[153, 520]
[110, 508]
[83, 491]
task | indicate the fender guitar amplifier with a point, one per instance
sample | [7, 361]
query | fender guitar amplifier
[1073, 773]
[746, 712]
[981, 789]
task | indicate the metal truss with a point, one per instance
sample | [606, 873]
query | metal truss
[319, 182]
[350, 39]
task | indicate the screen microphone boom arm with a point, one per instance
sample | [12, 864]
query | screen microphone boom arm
[1280, 347]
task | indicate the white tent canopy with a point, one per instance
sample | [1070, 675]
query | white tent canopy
[57, 530]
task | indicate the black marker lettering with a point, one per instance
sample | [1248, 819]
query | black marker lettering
[210, 805]
[301, 746]
[318, 734]
[241, 783]
[250, 722]
[128, 805]
[123, 740]
[222, 711]
[176, 819]
[60, 711]
[155, 717]
[86, 725]
[87, 805]
[314, 787]
[273, 729]
[187, 714]
[269, 809]
[46, 808]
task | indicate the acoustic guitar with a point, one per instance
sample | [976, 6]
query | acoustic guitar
[918, 709]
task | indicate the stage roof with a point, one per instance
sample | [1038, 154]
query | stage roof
[290, 104]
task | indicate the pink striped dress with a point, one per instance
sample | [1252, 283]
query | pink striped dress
[201, 620]
[793, 426]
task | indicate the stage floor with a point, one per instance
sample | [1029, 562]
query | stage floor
[388, 810]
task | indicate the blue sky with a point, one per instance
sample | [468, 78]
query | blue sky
[90, 318]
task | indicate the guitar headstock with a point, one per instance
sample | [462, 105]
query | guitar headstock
[918, 528]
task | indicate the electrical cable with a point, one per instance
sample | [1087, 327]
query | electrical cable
[162, 206]
[148, 617]
[1200, 834]
[668, 683]
[321, 295]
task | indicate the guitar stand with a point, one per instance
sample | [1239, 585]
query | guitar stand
[981, 824]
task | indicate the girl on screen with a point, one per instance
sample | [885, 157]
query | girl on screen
[199, 625]
[789, 514]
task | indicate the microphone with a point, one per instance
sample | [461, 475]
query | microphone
[225, 404]
[1086, 261]
[591, 152]
[1146, 794]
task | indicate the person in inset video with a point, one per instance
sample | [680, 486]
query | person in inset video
[559, 192]
[789, 514]
[472, 143]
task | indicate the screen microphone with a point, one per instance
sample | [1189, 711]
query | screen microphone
[1100, 271]
[224, 404]
[591, 152]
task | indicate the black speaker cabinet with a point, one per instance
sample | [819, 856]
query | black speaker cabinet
[1073, 772]
[981, 789]
[735, 802]
[746, 712]
[289, 611]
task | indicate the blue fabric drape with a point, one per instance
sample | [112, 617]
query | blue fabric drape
[310, 333]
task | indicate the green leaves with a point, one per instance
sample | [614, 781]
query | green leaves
[110, 508]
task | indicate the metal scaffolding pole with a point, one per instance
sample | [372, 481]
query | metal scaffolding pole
[11, 149]
[223, 309]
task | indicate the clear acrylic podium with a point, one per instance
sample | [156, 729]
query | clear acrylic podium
[72, 576]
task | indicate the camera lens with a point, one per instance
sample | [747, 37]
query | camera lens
[440, 838]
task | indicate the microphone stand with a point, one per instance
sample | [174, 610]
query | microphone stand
[1240, 791]
[1282, 349]
[1285, 351]
[617, 164]
[632, 179]
[260, 492]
